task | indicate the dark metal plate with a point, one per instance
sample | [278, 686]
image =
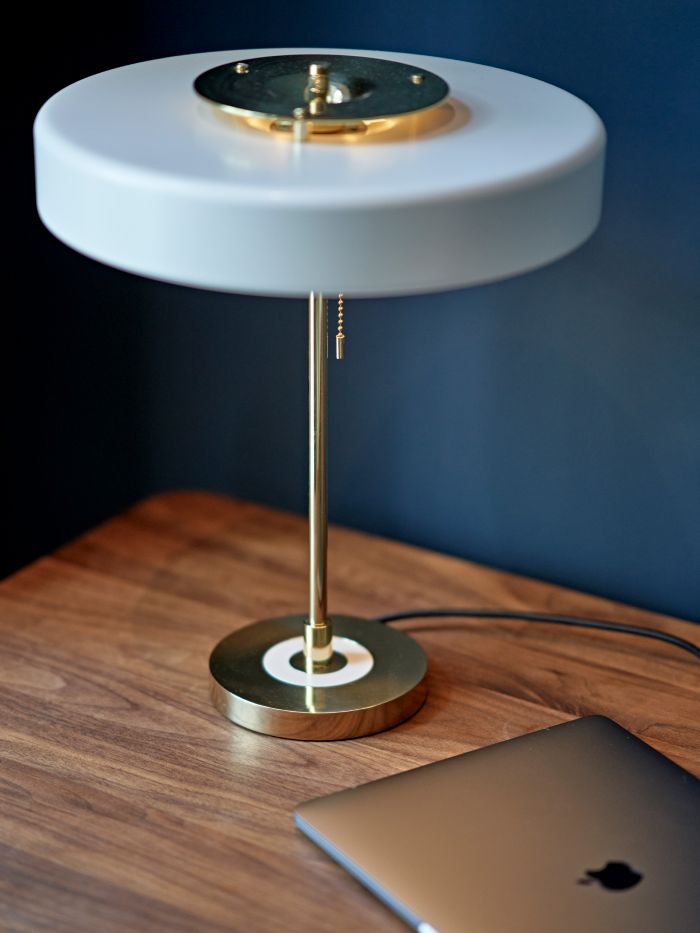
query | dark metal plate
[360, 88]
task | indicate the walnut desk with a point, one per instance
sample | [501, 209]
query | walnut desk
[128, 804]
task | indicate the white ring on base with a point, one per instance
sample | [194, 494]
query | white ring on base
[276, 662]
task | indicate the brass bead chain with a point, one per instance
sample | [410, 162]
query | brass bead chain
[340, 336]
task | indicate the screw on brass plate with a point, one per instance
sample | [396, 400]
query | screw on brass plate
[317, 86]
[418, 78]
[318, 74]
[300, 128]
[241, 68]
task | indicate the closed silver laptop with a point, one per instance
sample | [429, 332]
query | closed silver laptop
[581, 828]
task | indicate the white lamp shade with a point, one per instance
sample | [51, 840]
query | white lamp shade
[135, 171]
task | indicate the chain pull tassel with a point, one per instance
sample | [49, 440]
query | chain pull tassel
[340, 336]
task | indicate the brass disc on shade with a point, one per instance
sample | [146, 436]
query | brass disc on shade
[392, 689]
[330, 93]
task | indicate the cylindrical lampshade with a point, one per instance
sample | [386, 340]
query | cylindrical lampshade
[137, 172]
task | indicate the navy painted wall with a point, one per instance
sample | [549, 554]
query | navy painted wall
[550, 424]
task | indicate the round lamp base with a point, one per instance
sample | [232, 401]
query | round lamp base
[376, 682]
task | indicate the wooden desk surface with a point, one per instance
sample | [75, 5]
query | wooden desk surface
[128, 804]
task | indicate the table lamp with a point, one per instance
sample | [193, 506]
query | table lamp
[313, 172]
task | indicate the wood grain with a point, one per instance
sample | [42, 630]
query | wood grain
[128, 804]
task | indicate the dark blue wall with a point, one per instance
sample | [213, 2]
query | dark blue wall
[550, 424]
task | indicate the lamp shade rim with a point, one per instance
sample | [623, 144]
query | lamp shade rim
[133, 171]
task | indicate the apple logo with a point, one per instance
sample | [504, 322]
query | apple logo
[615, 876]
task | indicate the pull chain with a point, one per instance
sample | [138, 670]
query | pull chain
[340, 336]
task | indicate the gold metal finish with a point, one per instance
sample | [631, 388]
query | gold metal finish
[318, 87]
[317, 631]
[337, 663]
[244, 692]
[300, 127]
[391, 690]
[318, 645]
[346, 96]
[251, 691]
[340, 336]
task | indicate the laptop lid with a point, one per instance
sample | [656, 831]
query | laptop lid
[578, 828]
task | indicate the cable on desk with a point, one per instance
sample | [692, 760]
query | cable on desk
[620, 627]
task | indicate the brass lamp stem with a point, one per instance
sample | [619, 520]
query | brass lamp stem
[259, 680]
[318, 645]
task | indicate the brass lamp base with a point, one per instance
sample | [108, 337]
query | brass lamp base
[377, 680]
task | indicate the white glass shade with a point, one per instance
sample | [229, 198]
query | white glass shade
[135, 171]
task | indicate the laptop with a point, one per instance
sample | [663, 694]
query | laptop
[580, 828]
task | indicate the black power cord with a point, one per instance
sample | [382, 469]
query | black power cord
[544, 617]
